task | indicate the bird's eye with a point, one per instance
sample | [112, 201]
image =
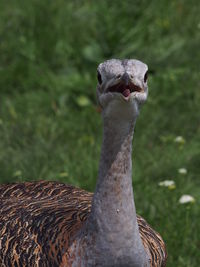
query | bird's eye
[146, 77]
[99, 77]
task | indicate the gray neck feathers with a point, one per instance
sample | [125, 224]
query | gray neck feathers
[113, 223]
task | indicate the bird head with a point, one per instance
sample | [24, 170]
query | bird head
[122, 86]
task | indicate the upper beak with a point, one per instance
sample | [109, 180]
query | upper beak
[125, 79]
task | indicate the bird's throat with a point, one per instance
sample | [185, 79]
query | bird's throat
[113, 204]
[113, 221]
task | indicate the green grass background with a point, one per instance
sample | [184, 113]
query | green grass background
[49, 126]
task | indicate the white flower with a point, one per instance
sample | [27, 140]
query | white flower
[182, 170]
[186, 199]
[168, 183]
[179, 140]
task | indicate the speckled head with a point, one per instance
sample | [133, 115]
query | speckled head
[122, 85]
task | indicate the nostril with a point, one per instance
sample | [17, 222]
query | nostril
[118, 76]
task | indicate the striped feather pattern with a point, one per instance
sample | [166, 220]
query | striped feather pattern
[38, 219]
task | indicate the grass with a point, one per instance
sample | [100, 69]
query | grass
[49, 126]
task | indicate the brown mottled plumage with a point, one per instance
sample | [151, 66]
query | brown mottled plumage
[38, 220]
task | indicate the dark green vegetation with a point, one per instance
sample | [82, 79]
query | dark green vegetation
[49, 127]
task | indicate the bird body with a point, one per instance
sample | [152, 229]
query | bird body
[54, 224]
[39, 220]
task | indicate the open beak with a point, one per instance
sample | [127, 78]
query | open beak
[125, 86]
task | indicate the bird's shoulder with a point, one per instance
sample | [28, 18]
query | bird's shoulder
[153, 243]
[37, 220]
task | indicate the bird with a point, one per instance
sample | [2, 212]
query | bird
[46, 223]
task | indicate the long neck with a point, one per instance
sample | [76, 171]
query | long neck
[113, 216]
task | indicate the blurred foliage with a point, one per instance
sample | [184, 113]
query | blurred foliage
[49, 124]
